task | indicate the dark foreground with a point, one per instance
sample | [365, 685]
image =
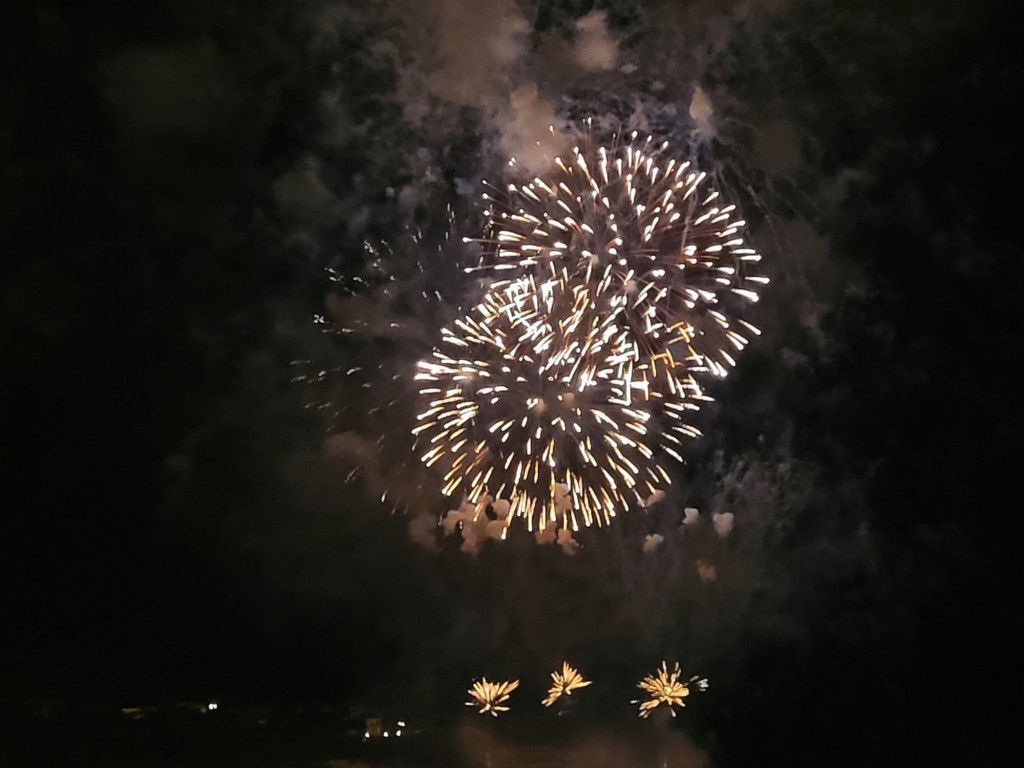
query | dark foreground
[191, 735]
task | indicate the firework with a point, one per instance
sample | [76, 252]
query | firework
[538, 401]
[489, 697]
[615, 280]
[564, 683]
[665, 687]
[646, 233]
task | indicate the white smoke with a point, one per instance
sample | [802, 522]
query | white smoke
[653, 499]
[459, 51]
[723, 522]
[652, 542]
[706, 571]
[565, 540]
[548, 534]
[595, 50]
[702, 113]
[422, 530]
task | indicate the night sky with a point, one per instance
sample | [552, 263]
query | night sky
[186, 517]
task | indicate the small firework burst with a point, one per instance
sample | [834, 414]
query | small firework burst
[646, 232]
[665, 687]
[564, 683]
[538, 400]
[490, 696]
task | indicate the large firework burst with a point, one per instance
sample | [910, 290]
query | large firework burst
[490, 696]
[666, 688]
[564, 683]
[616, 281]
[539, 400]
[645, 232]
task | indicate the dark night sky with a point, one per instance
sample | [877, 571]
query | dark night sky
[176, 179]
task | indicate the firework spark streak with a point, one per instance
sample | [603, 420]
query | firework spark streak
[490, 697]
[646, 233]
[666, 688]
[539, 400]
[564, 683]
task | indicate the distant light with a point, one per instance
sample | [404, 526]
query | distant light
[212, 706]
[401, 724]
[398, 732]
[366, 735]
[385, 734]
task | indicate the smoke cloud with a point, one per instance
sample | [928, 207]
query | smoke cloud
[595, 50]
